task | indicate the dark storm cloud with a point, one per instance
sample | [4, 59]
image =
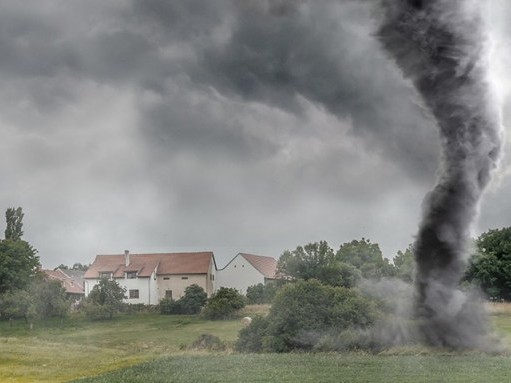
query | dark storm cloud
[152, 124]
[324, 52]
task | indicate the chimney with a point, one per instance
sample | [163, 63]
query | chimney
[127, 257]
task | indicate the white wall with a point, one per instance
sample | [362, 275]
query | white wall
[238, 274]
[147, 289]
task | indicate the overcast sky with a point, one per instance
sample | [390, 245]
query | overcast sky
[231, 126]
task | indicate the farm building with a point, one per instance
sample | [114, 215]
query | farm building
[245, 270]
[151, 277]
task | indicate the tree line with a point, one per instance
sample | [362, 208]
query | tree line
[26, 293]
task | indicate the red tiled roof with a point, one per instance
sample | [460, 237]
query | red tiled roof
[265, 265]
[71, 285]
[145, 264]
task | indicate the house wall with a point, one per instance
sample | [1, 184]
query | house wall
[89, 284]
[147, 289]
[178, 284]
[238, 274]
[212, 277]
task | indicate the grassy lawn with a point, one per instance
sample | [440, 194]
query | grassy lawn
[153, 348]
[58, 352]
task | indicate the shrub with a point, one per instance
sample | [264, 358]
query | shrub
[262, 293]
[251, 337]
[304, 312]
[191, 303]
[16, 304]
[224, 304]
[133, 308]
[208, 342]
[96, 312]
[194, 299]
[170, 306]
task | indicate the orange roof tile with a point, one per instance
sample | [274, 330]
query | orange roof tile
[265, 265]
[146, 264]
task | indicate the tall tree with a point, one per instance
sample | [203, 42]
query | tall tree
[14, 218]
[18, 260]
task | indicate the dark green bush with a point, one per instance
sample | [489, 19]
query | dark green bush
[305, 312]
[224, 304]
[194, 299]
[191, 303]
[251, 337]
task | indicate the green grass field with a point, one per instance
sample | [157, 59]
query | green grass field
[153, 348]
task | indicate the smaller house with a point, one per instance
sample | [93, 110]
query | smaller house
[71, 281]
[246, 270]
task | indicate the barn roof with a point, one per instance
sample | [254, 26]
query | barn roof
[265, 265]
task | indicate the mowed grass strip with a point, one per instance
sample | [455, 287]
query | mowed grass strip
[350, 367]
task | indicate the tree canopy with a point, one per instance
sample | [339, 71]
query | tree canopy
[366, 257]
[404, 264]
[317, 261]
[14, 218]
[105, 299]
[490, 266]
[18, 260]
[306, 314]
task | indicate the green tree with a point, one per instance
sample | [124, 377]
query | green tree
[404, 264]
[49, 299]
[14, 218]
[17, 304]
[224, 304]
[305, 312]
[317, 261]
[18, 264]
[18, 260]
[79, 266]
[490, 266]
[105, 299]
[42, 299]
[366, 257]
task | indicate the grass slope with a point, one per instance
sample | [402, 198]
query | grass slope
[59, 352]
[149, 348]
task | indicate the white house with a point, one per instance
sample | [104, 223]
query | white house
[150, 277]
[245, 270]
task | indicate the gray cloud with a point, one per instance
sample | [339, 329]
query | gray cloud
[161, 125]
